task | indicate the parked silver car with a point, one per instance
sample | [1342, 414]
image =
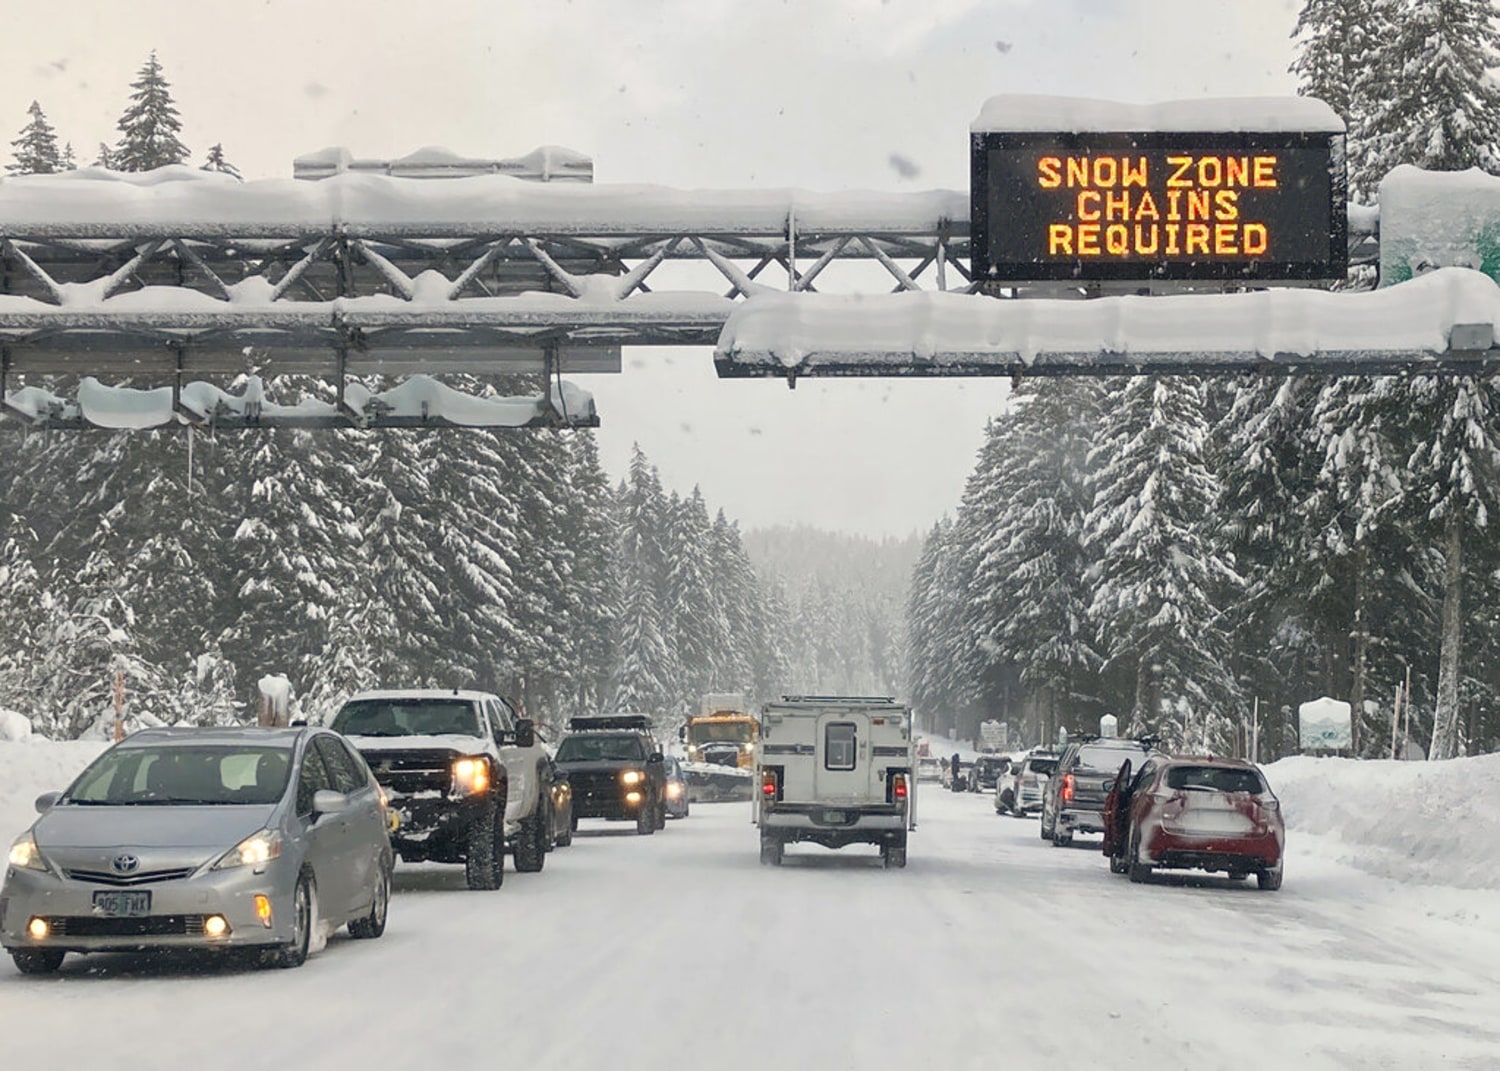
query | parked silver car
[265, 840]
[1020, 790]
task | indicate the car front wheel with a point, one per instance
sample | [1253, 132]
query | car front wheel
[37, 960]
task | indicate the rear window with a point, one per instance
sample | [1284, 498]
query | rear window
[1215, 778]
[1041, 766]
[1109, 758]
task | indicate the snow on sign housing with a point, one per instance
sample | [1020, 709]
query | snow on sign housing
[1236, 189]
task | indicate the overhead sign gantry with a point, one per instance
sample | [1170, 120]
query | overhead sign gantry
[199, 291]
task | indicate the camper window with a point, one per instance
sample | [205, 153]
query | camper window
[838, 746]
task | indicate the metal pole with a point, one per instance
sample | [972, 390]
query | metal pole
[1395, 719]
[1255, 730]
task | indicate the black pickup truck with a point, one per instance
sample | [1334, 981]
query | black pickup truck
[616, 769]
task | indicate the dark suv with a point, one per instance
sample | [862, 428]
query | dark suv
[1077, 789]
[616, 770]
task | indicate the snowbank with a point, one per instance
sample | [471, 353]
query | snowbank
[31, 768]
[14, 726]
[1419, 823]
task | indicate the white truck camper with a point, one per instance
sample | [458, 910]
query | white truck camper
[835, 770]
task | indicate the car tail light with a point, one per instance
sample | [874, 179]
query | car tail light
[1067, 788]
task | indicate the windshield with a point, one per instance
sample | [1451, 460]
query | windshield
[250, 774]
[407, 717]
[738, 732]
[601, 749]
[1216, 778]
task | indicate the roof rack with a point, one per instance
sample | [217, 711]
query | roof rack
[838, 699]
[639, 722]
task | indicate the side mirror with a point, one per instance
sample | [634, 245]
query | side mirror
[656, 758]
[682, 733]
[327, 801]
[525, 733]
[46, 801]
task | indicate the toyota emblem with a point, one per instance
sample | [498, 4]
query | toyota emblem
[126, 864]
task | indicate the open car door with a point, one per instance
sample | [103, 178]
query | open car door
[1117, 813]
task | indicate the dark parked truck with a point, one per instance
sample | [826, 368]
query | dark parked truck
[466, 779]
[1074, 797]
[616, 769]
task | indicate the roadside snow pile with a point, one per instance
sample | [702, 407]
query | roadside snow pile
[14, 726]
[1429, 823]
[28, 769]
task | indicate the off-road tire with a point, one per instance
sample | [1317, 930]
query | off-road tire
[1062, 840]
[661, 815]
[37, 960]
[1047, 831]
[1269, 880]
[531, 842]
[771, 851]
[304, 915]
[484, 854]
[373, 924]
[1117, 864]
[565, 838]
[645, 820]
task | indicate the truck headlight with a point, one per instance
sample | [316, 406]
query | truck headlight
[471, 776]
[632, 777]
[25, 854]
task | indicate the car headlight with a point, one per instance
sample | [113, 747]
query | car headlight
[632, 777]
[25, 854]
[674, 790]
[255, 850]
[471, 776]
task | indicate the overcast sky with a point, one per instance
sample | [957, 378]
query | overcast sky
[818, 94]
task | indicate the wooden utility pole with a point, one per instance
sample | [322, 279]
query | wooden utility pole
[119, 695]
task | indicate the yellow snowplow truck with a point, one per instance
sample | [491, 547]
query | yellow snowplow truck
[721, 741]
[722, 733]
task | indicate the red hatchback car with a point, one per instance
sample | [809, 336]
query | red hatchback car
[1194, 813]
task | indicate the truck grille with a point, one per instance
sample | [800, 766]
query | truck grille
[595, 785]
[410, 772]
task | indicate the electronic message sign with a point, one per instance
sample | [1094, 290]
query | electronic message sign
[1158, 205]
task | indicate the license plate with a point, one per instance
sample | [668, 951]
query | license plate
[833, 816]
[122, 904]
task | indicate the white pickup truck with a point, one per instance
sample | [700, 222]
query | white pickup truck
[466, 778]
[835, 770]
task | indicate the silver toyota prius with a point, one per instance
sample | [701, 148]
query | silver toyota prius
[263, 840]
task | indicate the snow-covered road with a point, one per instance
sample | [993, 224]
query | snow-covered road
[991, 950]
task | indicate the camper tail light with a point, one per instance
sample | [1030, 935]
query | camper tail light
[899, 788]
[1067, 788]
[770, 784]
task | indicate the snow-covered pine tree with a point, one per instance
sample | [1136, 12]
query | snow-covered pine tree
[105, 157]
[68, 162]
[694, 620]
[1433, 101]
[216, 162]
[36, 148]
[1161, 578]
[1334, 40]
[149, 125]
[592, 598]
[1455, 474]
[1030, 576]
[22, 612]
